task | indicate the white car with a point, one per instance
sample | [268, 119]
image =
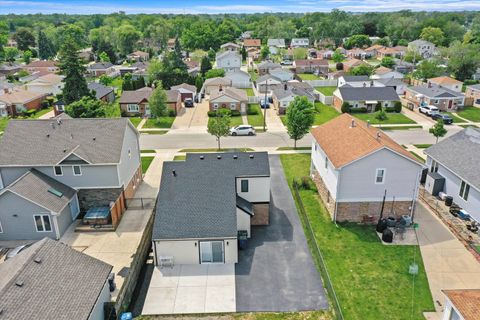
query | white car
[242, 130]
[429, 110]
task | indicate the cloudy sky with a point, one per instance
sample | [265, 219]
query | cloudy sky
[227, 6]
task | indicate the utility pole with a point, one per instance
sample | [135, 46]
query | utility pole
[265, 107]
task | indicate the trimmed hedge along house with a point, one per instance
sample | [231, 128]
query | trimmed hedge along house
[354, 164]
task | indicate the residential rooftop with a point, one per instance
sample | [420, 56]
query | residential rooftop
[466, 301]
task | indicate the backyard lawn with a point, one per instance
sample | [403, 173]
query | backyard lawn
[470, 113]
[135, 121]
[324, 113]
[42, 112]
[162, 123]
[256, 120]
[308, 76]
[326, 91]
[371, 280]
[146, 161]
[393, 118]
[250, 92]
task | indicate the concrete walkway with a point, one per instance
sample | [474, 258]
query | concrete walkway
[420, 119]
[48, 115]
[413, 148]
[448, 263]
[141, 124]
[273, 121]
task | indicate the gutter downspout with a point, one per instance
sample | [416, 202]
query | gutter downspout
[336, 202]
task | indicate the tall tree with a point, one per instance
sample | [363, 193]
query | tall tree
[299, 118]
[71, 66]
[434, 35]
[3, 38]
[27, 56]
[87, 107]
[126, 37]
[219, 126]
[158, 102]
[463, 59]
[25, 39]
[205, 65]
[358, 41]
[46, 49]
[10, 54]
[438, 130]
[427, 69]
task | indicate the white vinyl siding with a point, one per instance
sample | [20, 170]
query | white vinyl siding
[1, 228]
[77, 170]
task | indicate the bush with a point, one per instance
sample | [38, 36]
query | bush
[358, 110]
[397, 107]
[390, 109]
[378, 107]
[45, 104]
[29, 112]
[306, 183]
[172, 113]
[252, 111]
[346, 107]
[211, 114]
[339, 66]
[235, 113]
[50, 101]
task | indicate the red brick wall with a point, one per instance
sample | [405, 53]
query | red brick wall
[141, 110]
[34, 104]
[225, 105]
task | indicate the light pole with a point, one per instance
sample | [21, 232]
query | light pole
[265, 107]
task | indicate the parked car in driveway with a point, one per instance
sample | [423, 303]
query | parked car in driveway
[242, 130]
[428, 110]
[15, 251]
[444, 117]
[264, 104]
[188, 103]
[286, 62]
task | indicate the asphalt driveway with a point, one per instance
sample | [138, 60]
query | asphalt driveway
[276, 272]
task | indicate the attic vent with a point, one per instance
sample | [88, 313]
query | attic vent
[19, 283]
[235, 157]
[55, 192]
[251, 156]
[64, 150]
[38, 260]
[219, 157]
[202, 157]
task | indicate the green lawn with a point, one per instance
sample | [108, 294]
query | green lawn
[324, 113]
[371, 280]
[253, 75]
[234, 121]
[468, 125]
[162, 123]
[454, 117]
[390, 128]
[153, 132]
[393, 118]
[308, 76]
[117, 83]
[423, 145]
[148, 151]
[179, 158]
[257, 119]
[41, 112]
[327, 91]
[303, 315]
[3, 123]
[292, 148]
[135, 121]
[417, 156]
[112, 110]
[250, 92]
[146, 161]
[470, 113]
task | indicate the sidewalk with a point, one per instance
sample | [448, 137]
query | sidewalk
[448, 263]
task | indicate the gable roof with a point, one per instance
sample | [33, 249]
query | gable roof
[48, 79]
[99, 66]
[436, 91]
[344, 144]
[460, 153]
[368, 93]
[185, 86]
[217, 81]
[64, 285]
[444, 80]
[21, 96]
[311, 62]
[136, 96]
[139, 53]
[227, 53]
[200, 200]
[229, 44]
[172, 95]
[266, 77]
[100, 90]
[268, 65]
[252, 43]
[355, 78]
[234, 93]
[474, 87]
[35, 185]
[42, 64]
[97, 141]
[467, 302]
[353, 62]
[382, 70]
[280, 43]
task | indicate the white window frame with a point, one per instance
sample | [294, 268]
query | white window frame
[1, 227]
[132, 105]
[233, 106]
[42, 215]
[434, 166]
[247, 184]
[73, 170]
[464, 190]
[60, 107]
[215, 106]
[55, 171]
[383, 176]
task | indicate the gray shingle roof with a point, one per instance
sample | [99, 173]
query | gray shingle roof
[64, 285]
[268, 65]
[35, 186]
[436, 92]
[267, 76]
[100, 66]
[368, 93]
[136, 96]
[45, 142]
[280, 43]
[356, 78]
[460, 153]
[474, 86]
[200, 201]
[100, 90]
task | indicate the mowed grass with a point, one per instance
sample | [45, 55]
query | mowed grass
[423, 145]
[146, 162]
[308, 76]
[250, 92]
[42, 112]
[470, 113]
[3, 123]
[392, 118]
[256, 120]
[162, 123]
[135, 121]
[327, 91]
[323, 113]
[371, 280]
[234, 121]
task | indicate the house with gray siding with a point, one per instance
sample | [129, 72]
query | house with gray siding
[456, 159]
[354, 165]
[50, 280]
[65, 167]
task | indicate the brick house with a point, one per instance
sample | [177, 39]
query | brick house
[472, 95]
[135, 102]
[174, 100]
[16, 101]
[264, 67]
[229, 98]
[42, 66]
[283, 97]
[446, 82]
[352, 63]
[252, 43]
[97, 69]
[319, 66]
[139, 56]
[440, 97]
[186, 90]
[354, 164]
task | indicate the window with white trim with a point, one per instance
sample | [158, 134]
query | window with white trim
[77, 170]
[380, 176]
[434, 166]
[42, 222]
[233, 106]
[132, 107]
[1, 228]
[215, 106]
[244, 185]
[57, 170]
[464, 190]
[60, 107]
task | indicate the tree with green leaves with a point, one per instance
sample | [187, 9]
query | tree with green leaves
[86, 107]
[433, 35]
[243, 53]
[387, 62]
[27, 56]
[264, 51]
[438, 130]
[127, 83]
[205, 65]
[10, 54]
[427, 69]
[158, 102]
[199, 82]
[3, 38]
[71, 66]
[300, 118]
[104, 57]
[381, 116]
[46, 49]
[338, 56]
[463, 59]
[214, 73]
[105, 80]
[126, 36]
[362, 70]
[219, 126]
[358, 41]
[24, 38]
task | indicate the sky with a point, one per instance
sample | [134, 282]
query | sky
[227, 6]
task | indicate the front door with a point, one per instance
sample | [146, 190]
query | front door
[243, 108]
[211, 252]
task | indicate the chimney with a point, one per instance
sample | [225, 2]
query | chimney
[371, 83]
[220, 88]
[364, 84]
[353, 123]
[5, 90]
[174, 173]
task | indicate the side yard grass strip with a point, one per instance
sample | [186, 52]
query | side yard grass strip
[162, 123]
[370, 279]
[146, 161]
[255, 120]
[216, 150]
[470, 113]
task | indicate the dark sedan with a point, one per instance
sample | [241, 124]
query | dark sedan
[444, 117]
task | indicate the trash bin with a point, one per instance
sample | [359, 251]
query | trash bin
[381, 225]
[242, 239]
[448, 201]
[391, 221]
[126, 316]
[407, 220]
[387, 236]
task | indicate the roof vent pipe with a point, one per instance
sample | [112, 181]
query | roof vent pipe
[202, 157]
[378, 135]
[251, 156]
[219, 157]
[235, 157]
[353, 124]
[38, 260]
[174, 173]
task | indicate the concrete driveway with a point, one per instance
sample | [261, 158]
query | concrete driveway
[276, 272]
[203, 288]
[192, 119]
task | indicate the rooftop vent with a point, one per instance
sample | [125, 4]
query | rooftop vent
[64, 150]
[38, 260]
[219, 157]
[251, 156]
[235, 157]
[378, 135]
[48, 135]
[94, 138]
[71, 136]
[353, 124]
[19, 283]
[59, 122]
[202, 157]
[174, 173]
[53, 125]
